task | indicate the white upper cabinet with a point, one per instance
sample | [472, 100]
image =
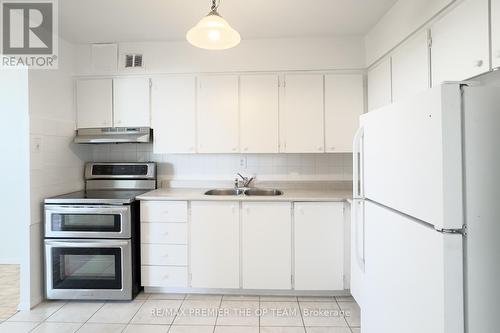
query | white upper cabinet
[319, 246]
[495, 32]
[302, 123]
[215, 246]
[266, 245]
[173, 105]
[94, 103]
[344, 103]
[218, 114]
[380, 85]
[259, 107]
[411, 67]
[460, 43]
[131, 102]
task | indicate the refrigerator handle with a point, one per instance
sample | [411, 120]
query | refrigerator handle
[359, 232]
[358, 164]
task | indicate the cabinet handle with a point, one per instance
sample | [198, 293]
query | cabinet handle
[479, 63]
[165, 256]
[332, 148]
[166, 233]
[235, 149]
[498, 54]
[245, 149]
[166, 277]
[165, 212]
[320, 148]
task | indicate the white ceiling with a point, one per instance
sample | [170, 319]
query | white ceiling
[87, 21]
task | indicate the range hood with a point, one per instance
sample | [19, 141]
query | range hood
[114, 135]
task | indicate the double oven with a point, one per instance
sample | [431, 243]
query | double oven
[92, 236]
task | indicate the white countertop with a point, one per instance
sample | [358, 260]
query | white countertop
[198, 194]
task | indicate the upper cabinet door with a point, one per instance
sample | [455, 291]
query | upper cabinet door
[173, 105]
[302, 123]
[460, 43]
[344, 103]
[411, 68]
[94, 103]
[131, 102]
[259, 106]
[380, 85]
[218, 114]
[495, 32]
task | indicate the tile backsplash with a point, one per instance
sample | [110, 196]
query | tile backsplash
[283, 167]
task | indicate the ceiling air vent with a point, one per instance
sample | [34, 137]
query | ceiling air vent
[133, 61]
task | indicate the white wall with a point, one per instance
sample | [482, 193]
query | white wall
[201, 167]
[250, 55]
[14, 165]
[404, 18]
[57, 165]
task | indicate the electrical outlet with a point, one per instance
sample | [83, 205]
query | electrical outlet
[243, 162]
[36, 144]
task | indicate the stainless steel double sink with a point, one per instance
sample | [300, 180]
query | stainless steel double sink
[249, 192]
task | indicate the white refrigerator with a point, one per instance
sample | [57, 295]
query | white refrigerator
[426, 213]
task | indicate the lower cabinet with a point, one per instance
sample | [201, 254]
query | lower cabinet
[164, 244]
[319, 246]
[215, 245]
[249, 245]
[266, 245]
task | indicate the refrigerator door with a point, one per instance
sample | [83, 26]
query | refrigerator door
[413, 159]
[413, 276]
[482, 192]
[357, 250]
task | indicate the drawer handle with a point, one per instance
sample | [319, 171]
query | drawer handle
[166, 233]
[166, 277]
[165, 256]
[479, 63]
[165, 212]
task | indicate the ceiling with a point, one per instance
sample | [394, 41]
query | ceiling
[94, 21]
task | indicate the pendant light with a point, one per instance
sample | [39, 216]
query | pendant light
[213, 32]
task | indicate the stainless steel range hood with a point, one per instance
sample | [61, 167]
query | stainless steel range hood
[114, 135]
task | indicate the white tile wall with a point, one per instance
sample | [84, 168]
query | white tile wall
[287, 167]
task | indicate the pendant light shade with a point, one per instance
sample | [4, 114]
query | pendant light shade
[213, 33]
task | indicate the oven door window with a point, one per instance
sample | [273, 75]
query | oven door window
[87, 268]
[86, 222]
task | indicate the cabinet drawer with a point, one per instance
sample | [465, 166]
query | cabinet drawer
[164, 211]
[164, 233]
[164, 255]
[164, 276]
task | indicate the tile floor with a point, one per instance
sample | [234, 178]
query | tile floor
[9, 290]
[176, 313]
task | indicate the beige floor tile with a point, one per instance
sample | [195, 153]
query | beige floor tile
[328, 330]
[191, 329]
[236, 329]
[316, 299]
[326, 314]
[278, 299]
[238, 313]
[240, 298]
[101, 328]
[198, 312]
[204, 297]
[75, 312]
[280, 314]
[16, 327]
[282, 330]
[141, 295]
[146, 328]
[345, 299]
[117, 312]
[57, 327]
[7, 312]
[352, 313]
[39, 313]
[157, 312]
[166, 296]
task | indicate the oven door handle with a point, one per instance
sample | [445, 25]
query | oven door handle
[87, 210]
[76, 243]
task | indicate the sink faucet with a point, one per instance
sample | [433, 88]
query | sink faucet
[245, 180]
